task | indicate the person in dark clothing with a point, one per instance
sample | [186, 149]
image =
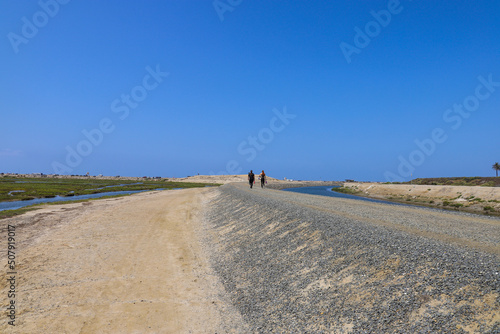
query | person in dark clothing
[262, 179]
[251, 178]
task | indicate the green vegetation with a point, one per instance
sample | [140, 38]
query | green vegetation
[20, 189]
[489, 208]
[12, 213]
[459, 181]
[16, 212]
[346, 190]
[455, 205]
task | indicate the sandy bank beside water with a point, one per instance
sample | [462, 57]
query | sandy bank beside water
[272, 182]
[474, 199]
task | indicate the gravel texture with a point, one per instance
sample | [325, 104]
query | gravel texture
[296, 263]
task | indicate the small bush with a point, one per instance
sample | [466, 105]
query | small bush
[488, 184]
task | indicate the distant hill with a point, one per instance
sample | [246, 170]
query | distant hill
[459, 181]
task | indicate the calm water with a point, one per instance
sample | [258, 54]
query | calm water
[21, 204]
[327, 191]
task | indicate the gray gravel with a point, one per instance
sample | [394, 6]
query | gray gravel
[295, 263]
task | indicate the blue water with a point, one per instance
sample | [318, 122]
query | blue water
[21, 204]
[327, 191]
[119, 185]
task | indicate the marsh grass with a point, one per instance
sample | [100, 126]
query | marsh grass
[29, 188]
[148, 186]
[346, 190]
[458, 181]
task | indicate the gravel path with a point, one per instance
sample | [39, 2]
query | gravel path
[296, 263]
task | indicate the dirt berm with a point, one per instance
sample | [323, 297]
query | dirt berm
[296, 263]
[476, 199]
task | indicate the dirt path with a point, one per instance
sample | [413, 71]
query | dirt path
[126, 265]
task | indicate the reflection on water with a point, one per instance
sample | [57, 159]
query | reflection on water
[327, 191]
[21, 204]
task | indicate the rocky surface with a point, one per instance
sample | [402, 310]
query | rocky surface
[295, 263]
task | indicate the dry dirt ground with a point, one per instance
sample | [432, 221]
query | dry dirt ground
[223, 179]
[125, 265]
[472, 198]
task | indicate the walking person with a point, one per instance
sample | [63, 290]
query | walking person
[262, 179]
[251, 178]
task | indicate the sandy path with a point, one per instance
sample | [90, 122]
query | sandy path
[126, 265]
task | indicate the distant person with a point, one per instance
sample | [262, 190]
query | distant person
[262, 179]
[251, 178]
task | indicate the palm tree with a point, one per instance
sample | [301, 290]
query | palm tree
[496, 167]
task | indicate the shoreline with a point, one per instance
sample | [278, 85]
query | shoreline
[87, 267]
[234, 259]
[470, 199]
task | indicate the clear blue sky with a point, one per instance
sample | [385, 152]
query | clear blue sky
[354, 88]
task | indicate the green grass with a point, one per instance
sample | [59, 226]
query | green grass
[16, 212]
[38, 188]
[42, 188]
[459, 181]
[12, 213]
[345, 190]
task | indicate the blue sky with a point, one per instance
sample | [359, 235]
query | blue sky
[302, 89]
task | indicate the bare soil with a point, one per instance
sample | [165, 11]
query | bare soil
[123, 265]
[467, 198]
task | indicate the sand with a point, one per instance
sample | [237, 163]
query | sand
[125, 265]
[471, 198]
[136, 264]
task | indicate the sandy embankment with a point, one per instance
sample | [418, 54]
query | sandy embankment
[272, 183]
[125, 265]
[470, 198]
